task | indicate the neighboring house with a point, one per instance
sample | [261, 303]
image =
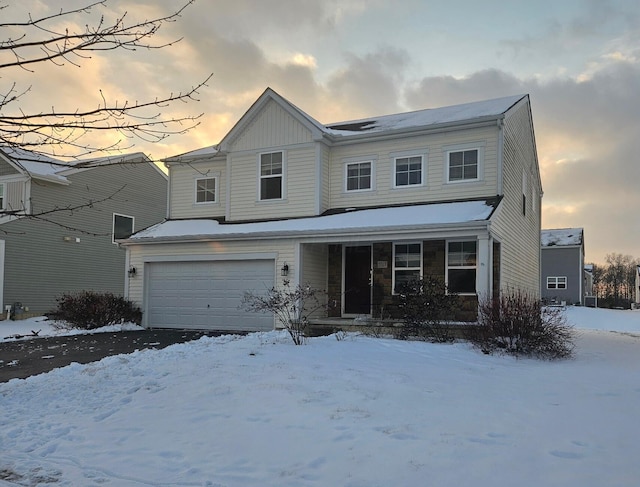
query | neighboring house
[356, 208]
[562, 272]
[636, 294]
[59, 223]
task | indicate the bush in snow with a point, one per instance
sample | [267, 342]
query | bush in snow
[89, 310]
[291, 306]
[518, 324]
[427, 309]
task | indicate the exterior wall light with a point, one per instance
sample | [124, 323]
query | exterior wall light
[285, 270]
[132, 271]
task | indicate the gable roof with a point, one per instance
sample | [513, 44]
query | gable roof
[402, 122]
[562, 237]
[47, 168]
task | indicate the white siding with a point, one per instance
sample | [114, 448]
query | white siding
[299, 186]
[182, 179]
[435, 186]
[272, 127]
[519, 234]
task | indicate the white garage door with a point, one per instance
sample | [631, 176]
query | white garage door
[206, 295]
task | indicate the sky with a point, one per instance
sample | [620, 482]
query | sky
[579, 60]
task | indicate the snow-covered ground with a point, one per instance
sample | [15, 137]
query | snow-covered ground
[259, 411]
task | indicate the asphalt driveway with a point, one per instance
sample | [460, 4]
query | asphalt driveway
[23, 358]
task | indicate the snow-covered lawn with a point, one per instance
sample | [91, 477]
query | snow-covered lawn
[259, 411]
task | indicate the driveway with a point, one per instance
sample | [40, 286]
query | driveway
[23, 358]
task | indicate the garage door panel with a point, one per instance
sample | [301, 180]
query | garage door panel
[207, 294]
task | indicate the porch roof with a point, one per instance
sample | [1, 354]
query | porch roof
[415, 217]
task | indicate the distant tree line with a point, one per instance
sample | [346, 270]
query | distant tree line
[614, 282]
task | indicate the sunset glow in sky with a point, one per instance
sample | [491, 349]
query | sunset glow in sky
[346, 59]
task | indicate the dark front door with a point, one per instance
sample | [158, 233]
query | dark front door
[357, 280]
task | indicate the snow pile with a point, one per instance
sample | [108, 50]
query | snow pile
[256, 410]
[41, 327]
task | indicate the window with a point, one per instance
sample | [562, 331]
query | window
[407, 263]
[122, 226]
[556, 282]
[271, 170]
[461, 267]
[2, 200]
[463, 165]
[408, 171]
[358, 176]
[524, 193]
[206, 190]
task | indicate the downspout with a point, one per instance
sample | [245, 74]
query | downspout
[500, 156]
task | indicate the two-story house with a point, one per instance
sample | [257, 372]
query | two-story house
[59, 223]
[563, 278]
[356, 208]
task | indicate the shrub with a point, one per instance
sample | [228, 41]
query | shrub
[291, 306]
[518, 324]
[427, 309]
[89, 310]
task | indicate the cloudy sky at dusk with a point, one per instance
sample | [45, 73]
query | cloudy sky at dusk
[345, 59]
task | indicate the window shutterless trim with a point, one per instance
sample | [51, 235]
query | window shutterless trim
[215, 190]
[409, 171]
[407, 268]
[113, 225]
[371, 176]
[281, 175]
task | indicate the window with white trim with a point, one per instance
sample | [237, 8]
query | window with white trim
[556, 282]
[2, 198]
[407, 263]
[122, 226]
[206, 190]
[358, 176]
[463, 165]
[271, 173]
[408, 171]
[462, 266]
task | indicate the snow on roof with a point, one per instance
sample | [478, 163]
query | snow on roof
[421, 118]
[561, 237]
[357, 220]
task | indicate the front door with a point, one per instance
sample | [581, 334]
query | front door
[357, 280]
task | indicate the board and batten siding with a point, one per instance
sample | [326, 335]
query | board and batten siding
[284, 249]
[182, 192]
[299, 186]
[45, 259]
[272, 127]
[519, 234]
[435, 187]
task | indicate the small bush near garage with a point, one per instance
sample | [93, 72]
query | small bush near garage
[519, 324]
[291, 306]
[88, 310]
[427, 310]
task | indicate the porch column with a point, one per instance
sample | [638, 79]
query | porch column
[483, 272]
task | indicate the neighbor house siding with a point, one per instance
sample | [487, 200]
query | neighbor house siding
[299, 186]
[563, 262]
[518, 234]
[43, 259]
[182, 191]
[15, 195]
[222, 250]
[435, 187]
[273, 126]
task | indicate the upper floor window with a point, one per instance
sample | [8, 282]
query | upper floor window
[271, 174]
[2, 197]
[461, 266]
[557, 282]
[122, 226]
[408, 171]
[358, 176]
[463, 165]
[407, 264]
[206, 190]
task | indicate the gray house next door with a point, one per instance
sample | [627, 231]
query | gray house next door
[206, 295]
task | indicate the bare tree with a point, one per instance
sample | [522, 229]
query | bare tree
[35, 41]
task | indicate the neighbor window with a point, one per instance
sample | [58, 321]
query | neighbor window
[557, 282]
[271, 171]
[461, 267]
[407, 263]
[206, 190]
[408, 171]
[2, 200]
[463, 165]
[358, 176]
[122, 226]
